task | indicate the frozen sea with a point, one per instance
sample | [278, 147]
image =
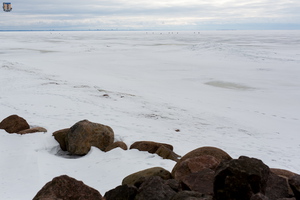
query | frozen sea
[235, 90]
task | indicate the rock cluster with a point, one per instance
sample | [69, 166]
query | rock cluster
[206, 173]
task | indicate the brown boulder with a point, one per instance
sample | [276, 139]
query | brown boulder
[67, 188]
[149, 146]
[277, 187]
[122, 192]
[60, 137]
[14, 124]
[166, 153]
[240, 179]
[132, 179]
[33, 130]
[199, 159]
[85, 134]
[282, 172]
[117, 144]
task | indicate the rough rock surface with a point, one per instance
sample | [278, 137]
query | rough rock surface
[117, 144]
[166, 153]
[85, 134]
[277, 187]
[14, 124]
[240, 179]
[67, 188]
[202, 158]
[132, 179]
[155, 188]
[202, 181]
[294, 182]
[149, 146]
[191, 195]
[33, 130]
[122, 192]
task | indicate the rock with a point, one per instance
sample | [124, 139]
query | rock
[294, 182]
[114, 145]
[123, 192]
[67, 188]
[154, 188]
[149, 146]
[14, 124]
[132, 179]
[33, 130]
[85, 134]
[166, 153]
[191, 195]
[259, 196]
[193, 165]
[240, 179]
[277, 187]
[60, 137]
[181, 169]
[202, 181]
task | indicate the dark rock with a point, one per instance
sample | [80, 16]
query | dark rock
[193, 165]
[277, 187]
[294, 182]
[14, 124]
[149, 146]
[202, 181]
[259, 196]
[33, 130]
[60, 137]
[166, 153]
[240, 179]
[132, 179]
[114, 145]
[154, 188]
[191, 195]
[123, 192]
[67, 188]
[85, 134]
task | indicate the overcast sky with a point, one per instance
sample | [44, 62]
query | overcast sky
[151, 14]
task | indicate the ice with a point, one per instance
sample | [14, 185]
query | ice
[235, 90]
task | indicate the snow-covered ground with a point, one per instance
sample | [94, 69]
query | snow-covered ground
[235, 90]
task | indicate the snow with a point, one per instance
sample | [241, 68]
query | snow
[235, 90]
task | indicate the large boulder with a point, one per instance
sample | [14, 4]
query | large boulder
[199, 159]
[240, 179]
[67, 188]
[134, 178]
[14, 124]
[277, 187]
[85, 134]
[155, 188]
[191, 195]
[149, 146]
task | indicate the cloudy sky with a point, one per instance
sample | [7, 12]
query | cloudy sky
[151, 14]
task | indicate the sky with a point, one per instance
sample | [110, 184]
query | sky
[151, 15]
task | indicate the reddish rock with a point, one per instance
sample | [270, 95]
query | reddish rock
[85, 134]
[117, 144]
[14, 124]
[282, 172]
[193, 165]
[60, 137]
[67, 188]
[202, 181]
[149, 146]
[33, 130]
